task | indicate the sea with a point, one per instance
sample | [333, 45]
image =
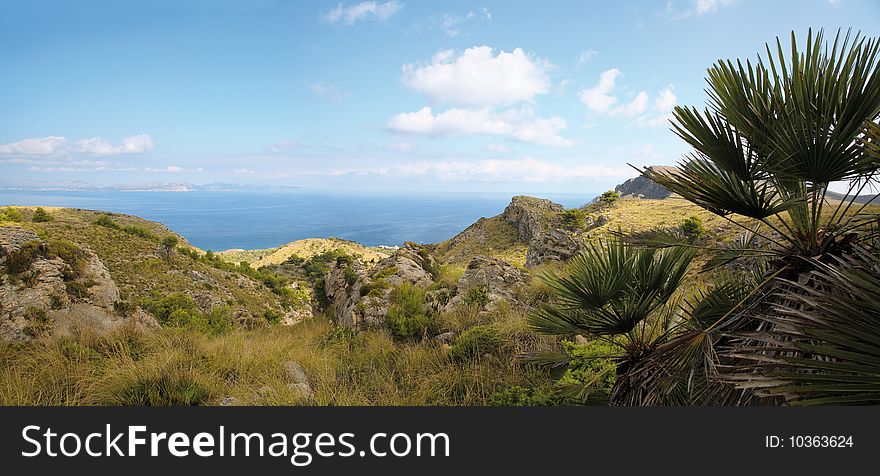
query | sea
[254, 220]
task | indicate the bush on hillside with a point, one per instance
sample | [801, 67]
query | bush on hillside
[10, 214]
[475, 342]
[41, 215]
[407, 316]
[574, 219]
[693, 229]
[609, 197]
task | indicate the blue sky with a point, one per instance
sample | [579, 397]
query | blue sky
[521, 97]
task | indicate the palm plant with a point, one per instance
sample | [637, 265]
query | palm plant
[619, 294]
[776, 134]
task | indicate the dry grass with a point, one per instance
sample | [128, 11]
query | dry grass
[132, 366]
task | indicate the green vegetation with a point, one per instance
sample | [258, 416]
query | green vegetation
[176, 366]
[574, 219]
[179, 310]
[609, 197]
[693, 228]
[41, 215]
[11, 214]
[407, 316]
[475, 342]
[789, 330]
[21, 260]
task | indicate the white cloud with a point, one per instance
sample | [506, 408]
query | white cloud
[518, 124]
[586, 56]
[496, 170]
[478, 77]
[666, 100]
[597, 98]
[38, 146]
[600, 99]
[451, 23]
[327, 91]
[130, 145]
[243, 172]
[351, 14]
[174, 169]
[637, 106]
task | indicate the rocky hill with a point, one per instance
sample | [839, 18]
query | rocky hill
[643, 187]
[305, 249]
[101, 270]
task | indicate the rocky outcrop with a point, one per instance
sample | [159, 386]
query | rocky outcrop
[554, 245]
[532, 216]
[643, 187]
[487, 282]
[43, 294]
[538, 225]
[361, 296]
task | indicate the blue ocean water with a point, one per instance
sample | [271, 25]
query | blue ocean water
[250, 220]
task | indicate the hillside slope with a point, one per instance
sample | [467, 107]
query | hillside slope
[137, 264]
[305, 249]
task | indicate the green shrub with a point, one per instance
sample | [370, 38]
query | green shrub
[41, 215]
[173, 388]
[692, 227]
[76, 290]
[38, 322]
[106, 222]
[71, 254]
[475, 342]
[407, 316]
[139, 231]
[175, 309]
[10, 214]
[591, 364]
[477, 297]
[219, 320]
[518, 396]
[124, 308]
[272, 316]
[574, 219]
[21, 260]
[609, 197]
[169, 244]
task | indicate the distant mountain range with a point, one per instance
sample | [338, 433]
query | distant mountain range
[158, 187]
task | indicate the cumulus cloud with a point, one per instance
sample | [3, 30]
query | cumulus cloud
[600, 99]
[38, 146]
[518, 124]
[597, 98]
[130, 145]
[351, 14]
[496, 170]
[478, 77]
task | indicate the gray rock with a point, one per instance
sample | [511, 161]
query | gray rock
[37, 301]
[554, 245]
[445, 338]
[346, 281]
[537, 223]
[230, 402]
[494, 279]
[643, 187]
